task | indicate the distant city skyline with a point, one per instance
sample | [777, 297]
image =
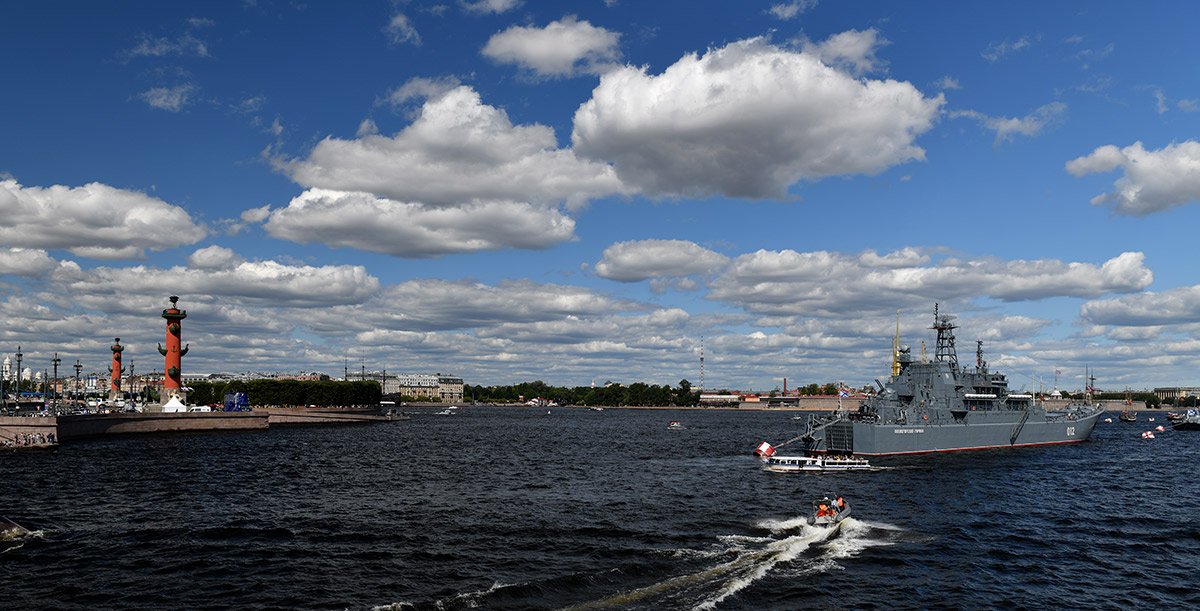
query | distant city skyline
[517, 190]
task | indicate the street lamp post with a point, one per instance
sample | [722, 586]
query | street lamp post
[78, 367]
[19, 355]
[132, 387]
[56, 361]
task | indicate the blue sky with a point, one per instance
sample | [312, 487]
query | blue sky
[530, 190]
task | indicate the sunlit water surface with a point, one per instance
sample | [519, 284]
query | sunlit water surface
[520, 509]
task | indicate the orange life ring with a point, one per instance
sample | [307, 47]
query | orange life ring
[924, 416]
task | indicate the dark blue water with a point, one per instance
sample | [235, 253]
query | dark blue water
[514, 508]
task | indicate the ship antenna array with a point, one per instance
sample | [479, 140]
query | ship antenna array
[944, 325]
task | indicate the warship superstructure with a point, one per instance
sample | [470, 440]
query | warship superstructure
[939, 406]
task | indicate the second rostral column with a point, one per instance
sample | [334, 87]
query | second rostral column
[172, 380]
[115, 371]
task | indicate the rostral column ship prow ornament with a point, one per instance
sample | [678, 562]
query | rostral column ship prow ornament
[115, 370]
[173, 353]
[940, 406]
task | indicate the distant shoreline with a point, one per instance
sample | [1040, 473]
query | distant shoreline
[1109, 406]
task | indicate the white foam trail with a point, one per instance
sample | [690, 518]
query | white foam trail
[469, 599]
[746, 568]
[762, 562]
[778, 526]
[754, 558]
[854, 540]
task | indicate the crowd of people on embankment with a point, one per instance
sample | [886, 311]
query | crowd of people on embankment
[24, 440]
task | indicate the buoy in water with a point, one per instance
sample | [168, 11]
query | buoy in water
[1151, 418]
[1148, 435]
[1159, 428]
[1108, 419]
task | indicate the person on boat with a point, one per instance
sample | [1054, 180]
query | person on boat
[841, 504]
[823, 510]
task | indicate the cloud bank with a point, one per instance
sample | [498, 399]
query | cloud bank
[93, 220]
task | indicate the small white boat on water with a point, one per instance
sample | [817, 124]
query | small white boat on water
[806, 464]
[10, 530]
[676, 426]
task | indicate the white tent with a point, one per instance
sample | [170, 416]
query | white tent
[174, 406]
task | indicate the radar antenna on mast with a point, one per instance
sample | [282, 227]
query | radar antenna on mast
[944, 325]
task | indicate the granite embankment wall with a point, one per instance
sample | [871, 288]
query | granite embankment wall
[93, 425]
[11, 426]
[299, 415]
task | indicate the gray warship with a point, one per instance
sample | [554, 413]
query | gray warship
[938, 406]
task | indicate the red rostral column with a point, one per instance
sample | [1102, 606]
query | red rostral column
[116, 370]
[172, 383]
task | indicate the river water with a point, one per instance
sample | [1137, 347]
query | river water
[519, 509]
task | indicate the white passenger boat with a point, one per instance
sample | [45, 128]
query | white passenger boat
[801, 464]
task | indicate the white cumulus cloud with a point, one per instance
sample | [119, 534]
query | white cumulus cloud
[420, 87]
[748, 120]
[365, 222]
[790, 283]
[456, 151]
[645, 259]
[214, 257]
[249, 282]
[25, 262]
[852, 50]
[1154, 181]
[1172, 307]
[94, 220]
[562, 48]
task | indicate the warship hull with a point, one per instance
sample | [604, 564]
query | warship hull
[930, 406]
[996, 431]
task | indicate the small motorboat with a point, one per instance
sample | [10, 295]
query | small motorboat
[676, 425]
[829, 512]
[11, 531]
[1128, 416]
[803, 464]
[1189, 421]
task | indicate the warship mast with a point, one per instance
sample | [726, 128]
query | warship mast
[944, 325]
